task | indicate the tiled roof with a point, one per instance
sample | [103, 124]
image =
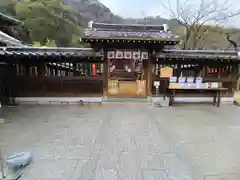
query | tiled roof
[7, 20]
[132, 32]
[90, 53]
[9, 40]
[128, 34]
[130, 27]
[203, 54]
[55, 52]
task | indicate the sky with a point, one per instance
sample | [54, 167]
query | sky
[142, 8]
[133, 8]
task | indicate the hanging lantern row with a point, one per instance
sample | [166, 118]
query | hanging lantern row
[166, 42]
[176, 66]
[127, 55]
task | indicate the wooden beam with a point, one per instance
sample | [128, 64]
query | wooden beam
[148, 72]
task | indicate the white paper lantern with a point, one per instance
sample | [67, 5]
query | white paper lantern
[144, 55]
[110, 54]
[119, 54]
[136, 55]
[127, 55]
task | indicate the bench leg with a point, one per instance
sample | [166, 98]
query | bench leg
[173, 96]
[170, 100]
[81, 103]
[214, 99]
[218, 99]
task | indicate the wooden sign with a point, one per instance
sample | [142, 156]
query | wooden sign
[156, 83]
[166, 72]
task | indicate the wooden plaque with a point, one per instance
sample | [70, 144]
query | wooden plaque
[166, 72]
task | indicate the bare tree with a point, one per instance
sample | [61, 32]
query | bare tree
[231, 42]
[196, 18]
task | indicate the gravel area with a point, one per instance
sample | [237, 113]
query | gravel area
[125, 141]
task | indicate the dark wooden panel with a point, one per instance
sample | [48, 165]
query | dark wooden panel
[55, 86]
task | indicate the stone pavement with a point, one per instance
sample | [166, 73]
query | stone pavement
[125, 141]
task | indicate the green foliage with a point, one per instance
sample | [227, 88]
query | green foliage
[54, 23]
[46, 19]
[49, 43]
[213, 38]
[36, 43]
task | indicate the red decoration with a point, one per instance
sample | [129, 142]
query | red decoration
[94, 70]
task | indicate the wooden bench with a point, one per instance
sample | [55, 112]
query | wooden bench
[215, 92]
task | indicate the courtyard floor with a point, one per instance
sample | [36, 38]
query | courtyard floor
[125, 141]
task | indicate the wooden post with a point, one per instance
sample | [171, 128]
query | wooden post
[235, 84]
[238, 79]
[105, 72]
[74, 69]
[1, 165]
[27, 69]
[149, 74]
[41, 68]
[1, 114]
[41, 73]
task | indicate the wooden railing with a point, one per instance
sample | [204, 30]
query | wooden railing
[58, 86]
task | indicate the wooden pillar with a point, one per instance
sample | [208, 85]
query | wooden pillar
[27, 69]
[235, 83]
[51, 71]
[41, 68]
[41, 73]
[179, 71]
[148, 73]
[74, 69]
[238, 79]
[105, 72]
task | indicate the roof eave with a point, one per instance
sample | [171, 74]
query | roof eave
[9, 20]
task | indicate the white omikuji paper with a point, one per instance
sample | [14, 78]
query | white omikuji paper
[199, 80]
[182, 80]
[214, 85]
[173, 79]
[190, 79]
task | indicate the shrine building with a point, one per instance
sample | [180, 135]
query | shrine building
[123, 61]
